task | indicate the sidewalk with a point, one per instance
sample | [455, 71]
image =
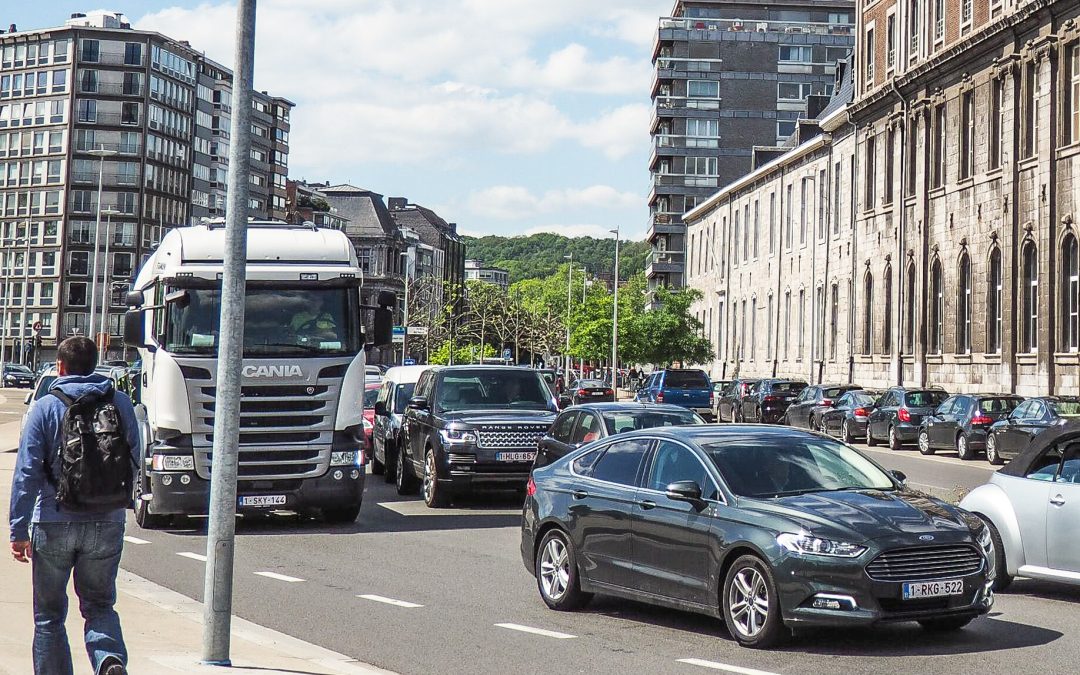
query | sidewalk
[162, 629]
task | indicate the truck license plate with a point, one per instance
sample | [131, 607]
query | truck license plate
[515, 456]
[932, 589]
[263, 500]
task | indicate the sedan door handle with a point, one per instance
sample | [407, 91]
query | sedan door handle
[647, 505]
[1057, 500]
[579, 494]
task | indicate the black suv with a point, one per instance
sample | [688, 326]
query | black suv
[768, 401]
[898, 414]
[472, 426]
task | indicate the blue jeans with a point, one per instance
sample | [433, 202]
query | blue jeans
[92, 551]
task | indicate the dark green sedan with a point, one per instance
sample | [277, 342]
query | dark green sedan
[767, 527]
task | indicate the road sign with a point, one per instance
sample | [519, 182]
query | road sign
[409, 362]
[418, 330]
[37, 326]
[399, 334]
[508, 354]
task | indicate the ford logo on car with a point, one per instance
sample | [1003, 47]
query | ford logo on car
[272, 371]
[926, 537]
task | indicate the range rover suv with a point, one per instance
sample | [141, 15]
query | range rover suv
[470, 427]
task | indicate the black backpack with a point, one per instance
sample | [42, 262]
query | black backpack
[96, 466]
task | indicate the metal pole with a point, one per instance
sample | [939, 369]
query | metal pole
[569, 290]
[102, 348]
[7, 302]
[221, 531]
[405, 314]
[23, 353]
[615, 324]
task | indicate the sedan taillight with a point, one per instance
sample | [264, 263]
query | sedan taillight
[530, 487]
[860, 412]
[982, 419]
[903, 415]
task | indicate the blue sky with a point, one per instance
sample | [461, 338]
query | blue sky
[506, 116]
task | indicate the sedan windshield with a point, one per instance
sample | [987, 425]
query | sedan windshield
[475, 389]
[619, 422]
[1066, 408]
[765, 467]
[19, 370]
[591, 384]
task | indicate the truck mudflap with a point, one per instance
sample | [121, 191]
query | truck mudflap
[340, 487]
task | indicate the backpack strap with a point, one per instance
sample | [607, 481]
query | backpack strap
[64, 398]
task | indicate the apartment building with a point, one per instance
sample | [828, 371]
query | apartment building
[476, 270]
[958, 159]
[95, 101]
[730, 75]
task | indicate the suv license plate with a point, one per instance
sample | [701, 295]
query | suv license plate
[515, 456]
[932, 589]
[263, 500]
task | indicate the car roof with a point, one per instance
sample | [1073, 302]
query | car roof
[405, 374]
[629, 406]
[480, 366]
[707, 432]
[1056, 399]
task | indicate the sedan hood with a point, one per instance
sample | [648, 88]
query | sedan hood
[864, 515]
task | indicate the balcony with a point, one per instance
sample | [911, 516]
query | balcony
[665, 224]
[676, 141]
[688, 67]
[110, 88]
[684, 180]
[112, 58]
[109, 179]
[121, 148]
[668, 102]
[108, 119]
[664, 262]
[741, 26]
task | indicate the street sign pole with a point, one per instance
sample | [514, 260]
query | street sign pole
[221, 532]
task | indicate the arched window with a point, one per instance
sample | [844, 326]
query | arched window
[909, 310]
[937, 309]
[886, 325]
[1029, 313]
[1070, 294]
[993, 303]
[834, 320]
[868, 314]
[963, 306]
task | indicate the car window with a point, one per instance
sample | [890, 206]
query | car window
[1070, 468]
[370, 395]
[833, 392]
[621, 461]
[587, 429]
[924, 399]
[402, 394]
[686, 379]
[674, 462]
[583, 464]
[621, 422]
[946, 407]
[787, 387]
[1066, 408]
[861, 398]
[384, 391]
[998, 405]
[1046, 465]
[1023, 411]
[563, 427]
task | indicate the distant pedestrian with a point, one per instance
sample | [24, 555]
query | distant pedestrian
[68, 500]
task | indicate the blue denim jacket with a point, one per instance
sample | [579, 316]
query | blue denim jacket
[33, 498]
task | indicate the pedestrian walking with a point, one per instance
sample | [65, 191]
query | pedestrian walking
[72, 484]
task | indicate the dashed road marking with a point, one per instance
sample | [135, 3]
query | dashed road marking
[536, 631]
[194, 556]
[135, 540]
[279, 577]
[390, 601]
[713, 665]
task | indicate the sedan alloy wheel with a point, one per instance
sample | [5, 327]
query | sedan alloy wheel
[557, 574]
[992, 455]
[924, 443]
[751, 607]
[963, 448]
[845, 433]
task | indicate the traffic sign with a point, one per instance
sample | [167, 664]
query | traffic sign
[508, 354]
[418, 330]
[37, 326]
[409, 362]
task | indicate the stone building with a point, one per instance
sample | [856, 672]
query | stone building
[960, 178]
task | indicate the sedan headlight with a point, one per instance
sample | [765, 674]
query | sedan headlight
[805, 544]
[172, 463]
[457, 436]
[343, 458]
[986, 542]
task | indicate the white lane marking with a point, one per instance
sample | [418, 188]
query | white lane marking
[536, 631]
[418, 508]
[279, 577]
[725, 667]
[390, 601]
[135, 540]
[194, 556]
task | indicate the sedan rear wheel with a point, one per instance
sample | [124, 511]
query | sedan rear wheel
[924, 443]
[751, 606]
[845, 433]
[557, 573]
[992, 455]
[894, 440]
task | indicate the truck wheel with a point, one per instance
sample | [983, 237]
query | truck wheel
[434, 496]
[341, 516]
[406, 481]
[143, 517]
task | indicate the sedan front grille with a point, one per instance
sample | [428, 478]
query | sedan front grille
[926, 563]
[499, 440]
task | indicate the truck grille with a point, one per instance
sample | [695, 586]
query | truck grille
[501, 440]
[928, 563]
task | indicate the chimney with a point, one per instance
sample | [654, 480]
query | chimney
[12, 28]
[396, 203]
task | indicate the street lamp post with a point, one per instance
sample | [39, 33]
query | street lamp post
[23, 353]
[101, 154]
[615, 323]
[7, 302]
[106, 287]
[569, 290]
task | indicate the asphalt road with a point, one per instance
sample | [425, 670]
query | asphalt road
[420, 591]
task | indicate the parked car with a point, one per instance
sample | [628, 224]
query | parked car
[1032, 507]
[587, 423]
[710, 518]
[469, 427]
[41, 387]
[1007, 438]
[729, 405]
[768, 400]
[961, 422]
[805, 412]
[688, 387]
[373, 373]
[371, 394]
[16, 375]
[897, 415]
[718, 387]
[849, 414]
[394, 394]
[587, 391]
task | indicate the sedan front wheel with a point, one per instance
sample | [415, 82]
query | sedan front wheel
[751, 606]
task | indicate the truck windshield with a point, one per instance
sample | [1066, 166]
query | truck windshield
[475, 389]
[277, 322]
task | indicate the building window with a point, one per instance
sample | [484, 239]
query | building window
[753, 327]
[793, 91]
[890, 159]
[909, 311]
[911, 137]
[914, 28]
[80, 263]
[868, 56]
[1072, 94]
[133, 54]
[886, 324]
[967, 134]
[965, 15]
[890, 47]
[785, 128]
[77, 294]
[788, 224]
[939, 20]
[772, 223]
[769, 330]
[997, 94]
[90, 51]
[823, 205]
[963, 306]
[993, 303]
[802, 324]
[735, 243]
[870, 173]
[937, 309]
[703, 89]
[1031, 113]
[1030, 300]
[837, 168]
[787, 322]
[834, 321]
[757, 226]
[868, 314]
[938, 160]
[796, 54]
[746, 233]
[1070, 300]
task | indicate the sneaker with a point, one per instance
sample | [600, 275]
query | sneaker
[112, 665]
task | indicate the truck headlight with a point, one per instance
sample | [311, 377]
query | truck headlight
[805, 544]
[343, 458]
[173, 463]
[457, 436]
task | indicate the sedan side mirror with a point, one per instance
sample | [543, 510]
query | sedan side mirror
[899, 475]
[418, 403]
[684, 491]
[380, 408]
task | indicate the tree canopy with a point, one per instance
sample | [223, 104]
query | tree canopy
[540, 255]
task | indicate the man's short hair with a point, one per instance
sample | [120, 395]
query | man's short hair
[78, 354]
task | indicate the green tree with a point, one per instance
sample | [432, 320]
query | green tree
[670, 333]
[541, 256]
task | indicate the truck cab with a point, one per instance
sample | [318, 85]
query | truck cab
[301, 416]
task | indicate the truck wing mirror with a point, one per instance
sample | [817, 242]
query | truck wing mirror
[134, 299]
[135, 328]
[380, 408]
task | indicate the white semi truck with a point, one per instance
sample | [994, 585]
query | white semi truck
[301, 420]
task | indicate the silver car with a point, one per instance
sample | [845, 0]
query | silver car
[1033, 509]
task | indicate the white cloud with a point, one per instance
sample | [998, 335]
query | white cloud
[508, 202]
